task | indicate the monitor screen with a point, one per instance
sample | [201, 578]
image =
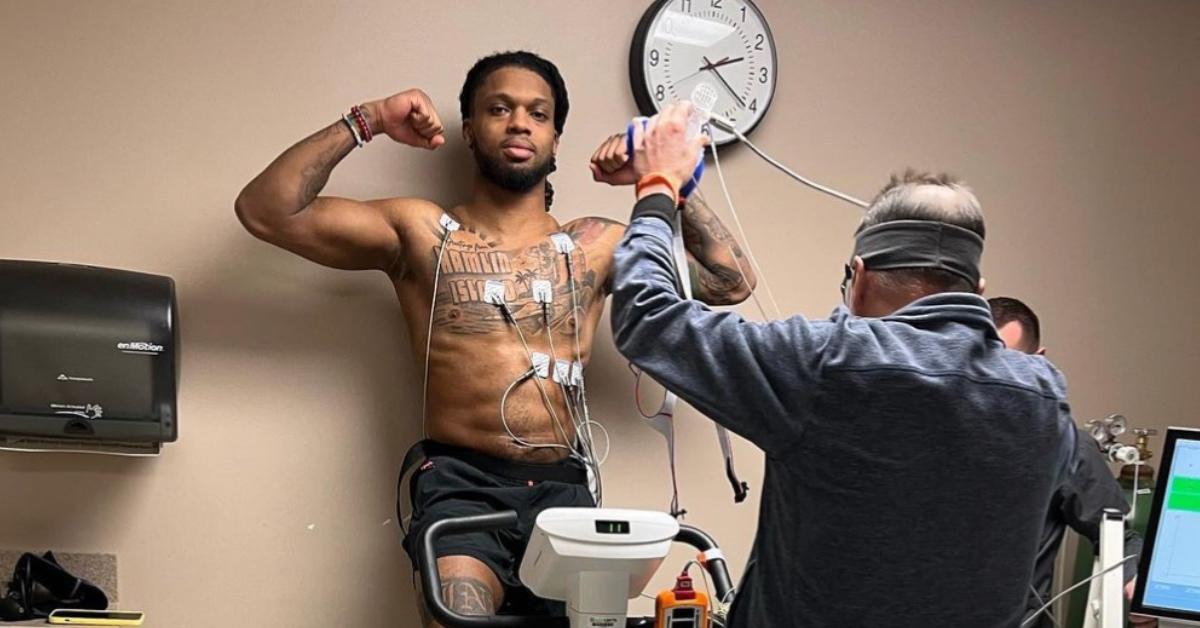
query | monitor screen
[1169, 568]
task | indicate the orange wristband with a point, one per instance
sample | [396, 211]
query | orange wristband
[655, 178]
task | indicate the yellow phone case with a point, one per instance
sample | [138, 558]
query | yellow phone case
[75, 617]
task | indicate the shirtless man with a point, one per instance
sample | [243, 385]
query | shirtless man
[469, 280]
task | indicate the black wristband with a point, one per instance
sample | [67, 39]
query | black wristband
[655, 206]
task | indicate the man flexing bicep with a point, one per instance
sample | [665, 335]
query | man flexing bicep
[281, 205]
[500, 300]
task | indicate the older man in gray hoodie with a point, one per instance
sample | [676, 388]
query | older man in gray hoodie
[910, 457]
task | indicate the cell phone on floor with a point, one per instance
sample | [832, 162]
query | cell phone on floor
[81, 617]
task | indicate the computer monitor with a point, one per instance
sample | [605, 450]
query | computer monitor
[1168, 585]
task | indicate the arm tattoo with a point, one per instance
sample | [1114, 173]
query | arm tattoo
[468, 596]
[315, 174]
[718, 265]
[589, 233]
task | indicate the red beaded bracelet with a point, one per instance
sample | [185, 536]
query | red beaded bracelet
[361, 121]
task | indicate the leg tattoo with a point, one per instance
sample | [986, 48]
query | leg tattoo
[468, 596]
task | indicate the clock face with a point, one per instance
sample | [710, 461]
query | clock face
[724, 47]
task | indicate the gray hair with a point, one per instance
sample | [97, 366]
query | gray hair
[925, 196]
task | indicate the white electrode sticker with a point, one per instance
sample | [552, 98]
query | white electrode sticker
[543, 291]
[493, 292]
[562, 242]
[576, 373]
[562, 372]
[448, 223]
[541, 364]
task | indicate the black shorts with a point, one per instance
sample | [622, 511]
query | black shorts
[455, 482]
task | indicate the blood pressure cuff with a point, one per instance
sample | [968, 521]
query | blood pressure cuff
[921, 244]
[40, 585]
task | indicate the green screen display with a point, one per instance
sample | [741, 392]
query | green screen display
[612, 527]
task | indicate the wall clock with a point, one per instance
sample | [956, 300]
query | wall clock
[727, 44]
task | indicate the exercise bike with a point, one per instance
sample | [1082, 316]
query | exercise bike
[593, 559]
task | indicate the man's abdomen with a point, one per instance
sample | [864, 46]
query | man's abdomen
[482, 396]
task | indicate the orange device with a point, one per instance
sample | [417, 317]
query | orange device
[682, 606]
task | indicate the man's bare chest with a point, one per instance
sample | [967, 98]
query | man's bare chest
[544, 284]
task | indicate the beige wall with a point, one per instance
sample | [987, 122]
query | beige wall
[128, 128]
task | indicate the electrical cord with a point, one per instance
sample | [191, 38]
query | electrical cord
[437, 274]
[532, 372]
[587, 417]
[508, 315]
[726, 125]
[1033, 616]
[737, 221]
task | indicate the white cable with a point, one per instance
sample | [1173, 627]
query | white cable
[607, 442]
[737, 221]
[703, 573]
[725, 125]
[537, 380]
[587, 416]
[718, 609]
[575, 326]
[1136, 472]
[504, 417]
[541, 389]
[554, 357]
[753, 295]
[1054, 599]
[437, 274]
[576, 420]
[1049, 611]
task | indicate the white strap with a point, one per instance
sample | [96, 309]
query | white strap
[663, 422]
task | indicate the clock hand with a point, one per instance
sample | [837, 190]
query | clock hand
[704, 67]
[711, 66]
[741, 103]
[725, 61]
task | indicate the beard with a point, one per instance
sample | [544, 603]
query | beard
[513, 178]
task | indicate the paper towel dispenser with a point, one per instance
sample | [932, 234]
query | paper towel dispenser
[87, 353]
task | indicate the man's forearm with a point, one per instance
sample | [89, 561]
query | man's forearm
[293, 181]
[721, 274]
